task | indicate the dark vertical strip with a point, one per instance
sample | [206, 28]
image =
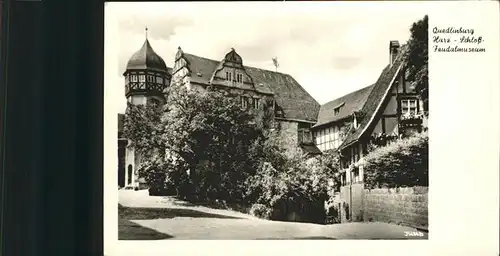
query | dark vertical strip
[73, 127]
[90, 127]
[3, 123]
[404, 84]
[3, 135]
[383, 125]
[61, 80]
[21, 161]
[398, 110]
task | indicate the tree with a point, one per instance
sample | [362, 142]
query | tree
[417, 60]
[204, 133]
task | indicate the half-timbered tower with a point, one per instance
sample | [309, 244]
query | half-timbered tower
[146, 78]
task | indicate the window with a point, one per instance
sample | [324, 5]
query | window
[307, 136]
[239, 78]
[336, 111]
[133, 78]
[336, 137]
[244, 102]
[409, 106]
[142, 78]
[304, 133]
[328, 138]
[150, 78]
[255, 103]
[228, 76]
[159, 79]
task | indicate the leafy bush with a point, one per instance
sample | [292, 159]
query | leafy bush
[333, 213]
[400, 163]
[298, 185]
[260, 211]
[166, 191]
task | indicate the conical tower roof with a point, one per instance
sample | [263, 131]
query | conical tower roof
[146, 58]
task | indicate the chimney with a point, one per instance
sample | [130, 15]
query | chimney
[393, 51]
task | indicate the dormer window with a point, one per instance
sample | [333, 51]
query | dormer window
[337, 109]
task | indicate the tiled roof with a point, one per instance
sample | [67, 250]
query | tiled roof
[377, 94]
[289, 94]
[310, 149]
[349, 104]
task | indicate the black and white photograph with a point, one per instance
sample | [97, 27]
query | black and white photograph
[250, 128]
[246, 123]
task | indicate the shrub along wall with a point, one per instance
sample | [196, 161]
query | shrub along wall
[407, 206]
[404, 162]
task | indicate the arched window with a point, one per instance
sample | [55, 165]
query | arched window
[129, 180]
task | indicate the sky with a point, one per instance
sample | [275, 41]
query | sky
[330, 48]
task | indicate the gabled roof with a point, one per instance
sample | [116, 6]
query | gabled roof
[295, 101]
[348, 104]
[374, 100]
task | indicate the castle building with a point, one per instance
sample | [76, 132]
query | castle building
[346, 124]
[147, 76]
